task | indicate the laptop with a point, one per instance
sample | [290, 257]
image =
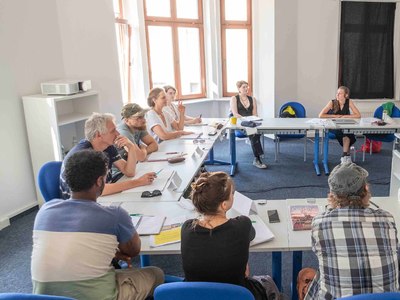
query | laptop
[342, 121]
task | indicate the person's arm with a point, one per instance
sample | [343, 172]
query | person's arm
[255, 106]
[234, 107]
[151, 144]
[355, 113]
[191, 120]
[131, 248]
[117, 187]
[178, 125]
[325, 110]
[165, 135]
[127, 167]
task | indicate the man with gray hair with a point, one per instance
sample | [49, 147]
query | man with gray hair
[356, 245]
[101, 135]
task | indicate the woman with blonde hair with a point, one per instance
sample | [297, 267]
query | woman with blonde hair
[159, 124]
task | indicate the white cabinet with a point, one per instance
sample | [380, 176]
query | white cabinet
[55, 123]
[395, 177]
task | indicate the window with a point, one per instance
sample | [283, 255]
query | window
[124, 48]
[236, 44]
[366, 49]
[175, 47]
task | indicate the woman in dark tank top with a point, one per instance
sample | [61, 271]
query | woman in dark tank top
[243, 105]
[342, 107]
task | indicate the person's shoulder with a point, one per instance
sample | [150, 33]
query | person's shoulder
[241, 220]
[121, 126]
[188, 224]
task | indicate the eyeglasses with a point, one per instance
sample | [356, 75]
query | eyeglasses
[199, 141]
[148, 194]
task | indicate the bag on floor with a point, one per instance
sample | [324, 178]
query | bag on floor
[376, 146]
[268, 284]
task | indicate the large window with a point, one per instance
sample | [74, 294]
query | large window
[236, 44]
[366, 49]
[124, 48]
[174, 32]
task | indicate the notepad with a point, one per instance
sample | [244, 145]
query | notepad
[263, 233]
[146, 225]
[344, 121]
[170, 233]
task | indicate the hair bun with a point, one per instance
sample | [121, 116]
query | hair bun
[198, 187]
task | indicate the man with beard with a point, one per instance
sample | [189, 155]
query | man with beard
[75, 240]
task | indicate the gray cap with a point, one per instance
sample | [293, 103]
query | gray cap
[347, 179]
[132, 110]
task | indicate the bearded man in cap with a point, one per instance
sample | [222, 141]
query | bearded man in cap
[356, 245]
[133, 126]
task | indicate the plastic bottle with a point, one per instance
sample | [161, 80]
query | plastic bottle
[384, 115]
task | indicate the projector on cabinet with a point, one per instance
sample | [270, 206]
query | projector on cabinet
[65, 87]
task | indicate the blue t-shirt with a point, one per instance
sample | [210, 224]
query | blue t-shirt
[111, 152]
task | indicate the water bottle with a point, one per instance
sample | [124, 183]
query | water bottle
[384, 115]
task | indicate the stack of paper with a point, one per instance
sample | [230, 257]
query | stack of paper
[146, 225]
[170, 233]
[251, 118]
[263, 233]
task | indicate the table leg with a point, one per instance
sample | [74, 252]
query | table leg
[326, 150]
[212, 161]
[316, 152]
[297, 262]
[232, 147]
[277, 269]
[144, 260]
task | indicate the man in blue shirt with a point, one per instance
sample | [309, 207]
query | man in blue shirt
[75, 240]
[101, 135]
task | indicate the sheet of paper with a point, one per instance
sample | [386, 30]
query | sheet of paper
[251, 118]
[149, 224]
[251, 130]
[243, 204]
[192, 136]
[159, 183]
[263, 233]
[160, 155]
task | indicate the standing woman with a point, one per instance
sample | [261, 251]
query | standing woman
[215, 248]
[243, 105]
[162, 126]
[342, 107]
[173, 110]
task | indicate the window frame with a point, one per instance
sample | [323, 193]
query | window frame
[174, 23]
[233, 24]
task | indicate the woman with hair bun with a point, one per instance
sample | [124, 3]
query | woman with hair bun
[215, 248]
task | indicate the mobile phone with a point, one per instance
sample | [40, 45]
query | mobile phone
[273, 216]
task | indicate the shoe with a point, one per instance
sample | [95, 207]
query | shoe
[345, 159]
[348, 159]
[259, 164]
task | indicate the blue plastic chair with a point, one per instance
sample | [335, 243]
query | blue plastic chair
[17, 296]
[49, 180]
[300, 113]
[386, 138]
[201, 291]
[376, 296]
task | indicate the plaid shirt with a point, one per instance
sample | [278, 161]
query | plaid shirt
[357, 253]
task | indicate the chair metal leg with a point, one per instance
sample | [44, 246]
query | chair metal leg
[365, 144]
[370, 147]
[305, 148]
[276, 147]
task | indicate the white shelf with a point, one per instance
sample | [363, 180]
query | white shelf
[71, 118]
[57, 98]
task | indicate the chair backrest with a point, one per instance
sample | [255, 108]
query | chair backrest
[376, 296]
[18, 296]
[201, 290]
[298, 108]
[49, 180]
[395, 112]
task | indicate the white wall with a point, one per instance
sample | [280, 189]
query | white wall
[43, 40]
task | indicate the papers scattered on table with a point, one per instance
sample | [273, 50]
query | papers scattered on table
[243, 205]
[170, 233]
[186, 204]
[251, 118]
[318, 121]
[263, 233]
[163, 156]
[159, 182]
[146, 225]
[368, 121]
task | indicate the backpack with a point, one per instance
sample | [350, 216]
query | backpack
[288, 112]
[376, 146]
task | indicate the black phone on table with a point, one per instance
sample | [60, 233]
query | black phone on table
[273, 216]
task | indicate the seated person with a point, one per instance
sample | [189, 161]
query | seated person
[102, 135]
[342, 107]
[243, 105]
[215, 248]
[173, 110]
[159, 124]
[133, 126]
[356, 245]
[75, 240]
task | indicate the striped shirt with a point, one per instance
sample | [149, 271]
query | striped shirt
[357, 253]
[74, 242]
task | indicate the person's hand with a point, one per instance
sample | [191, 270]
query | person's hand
[181, 107]
[122, 141]
[147, 178]
[186, 132]
[197, 120]
[124, 257]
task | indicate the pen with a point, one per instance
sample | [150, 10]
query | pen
[158, 172]
[200, 116]
[172, 152]
[373, 204]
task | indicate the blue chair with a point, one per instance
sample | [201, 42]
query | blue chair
[49, 180]
[17, 296]
[386, 138]
[300, 113]
[376, 296]
[201, 291]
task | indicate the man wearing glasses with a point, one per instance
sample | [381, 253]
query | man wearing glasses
[133, 126]
[356, 244]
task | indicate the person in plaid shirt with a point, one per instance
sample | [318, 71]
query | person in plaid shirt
[356, 245]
